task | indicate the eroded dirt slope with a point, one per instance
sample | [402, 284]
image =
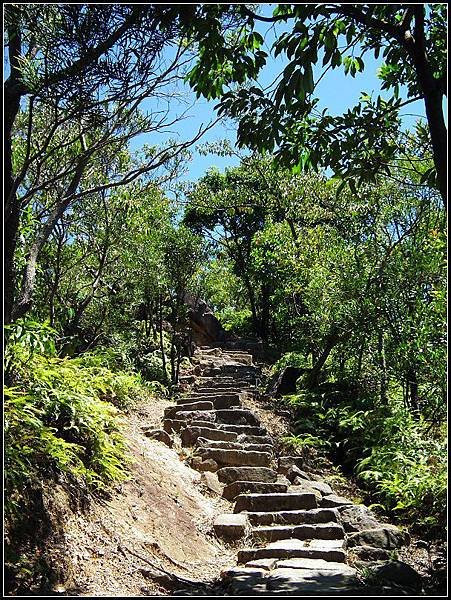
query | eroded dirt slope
[161, 518]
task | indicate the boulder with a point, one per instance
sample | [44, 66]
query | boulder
[210, 480]
[160, 435]
[294, 472]
[285, 382]
[286, 462]
[206, 328]
[357, 517]
[368, 553]
[387, 537]
[399, 572]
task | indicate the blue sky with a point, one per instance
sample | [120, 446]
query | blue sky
[337, 92]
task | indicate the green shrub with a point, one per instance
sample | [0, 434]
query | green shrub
[399, 459]
[237, 321]
[62, 415]
[291, 359]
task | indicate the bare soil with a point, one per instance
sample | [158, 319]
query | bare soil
[154, 532]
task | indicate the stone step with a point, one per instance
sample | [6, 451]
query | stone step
[227, 416]
[201, 442]
[329, 550]
[320, 531]
[215, 391]
[197, 415]
[237, 416]
[171, 411]
[241, 370]
[314, 563]
[295, 582]
[293, 517]
[232, 490]
[236, 457]
[191, 434]
[230, 526]
[255, 439]
[219, 402]
[201, 396]
[228, 475]
[243, 429]
[174, 425]
[274, 502]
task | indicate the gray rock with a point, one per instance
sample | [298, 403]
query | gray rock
[387, 537]
[237, 416]
[334, 501]
[285, 382]
[357, 518]
[230, 526]
[294, 472]
[230, 474]
[210, 480]
[368, 553]
[274, 502]
[207, 464]
[235, 458]
[301, 485]
[190, 434]
[160, 435]
[286, 462]
[400, 573]
[236, 488]
[172, 411]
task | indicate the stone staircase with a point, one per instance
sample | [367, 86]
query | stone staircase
[293, 537]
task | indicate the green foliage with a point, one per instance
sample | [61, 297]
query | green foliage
[62, 416]
[306, 440]
[283, 119]
[291, 359]
[238, 322]
[400, 460]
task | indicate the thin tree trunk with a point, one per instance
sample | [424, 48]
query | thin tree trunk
[382, 367]
[312, 378]
[13, 91]
[432, 90]
[160, 327]
[24, 302]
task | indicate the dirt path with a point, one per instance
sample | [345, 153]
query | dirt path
[160, 519]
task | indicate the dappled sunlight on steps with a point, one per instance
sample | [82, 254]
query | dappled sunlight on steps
[289, 527]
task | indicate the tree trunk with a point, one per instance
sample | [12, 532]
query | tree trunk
[160, 328]
[332, 340]
[13, 92]
[382, 368]
[24, 302]
[432, 90]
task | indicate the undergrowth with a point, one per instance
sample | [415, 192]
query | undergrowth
[63, 416]
[398, 457]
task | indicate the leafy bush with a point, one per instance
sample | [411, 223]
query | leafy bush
[291, 359]
[236, 321]
[398, 458]
[62, 415]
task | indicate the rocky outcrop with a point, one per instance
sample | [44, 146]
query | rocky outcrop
[206, 328]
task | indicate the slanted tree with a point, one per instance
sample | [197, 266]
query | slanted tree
[77, 77]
